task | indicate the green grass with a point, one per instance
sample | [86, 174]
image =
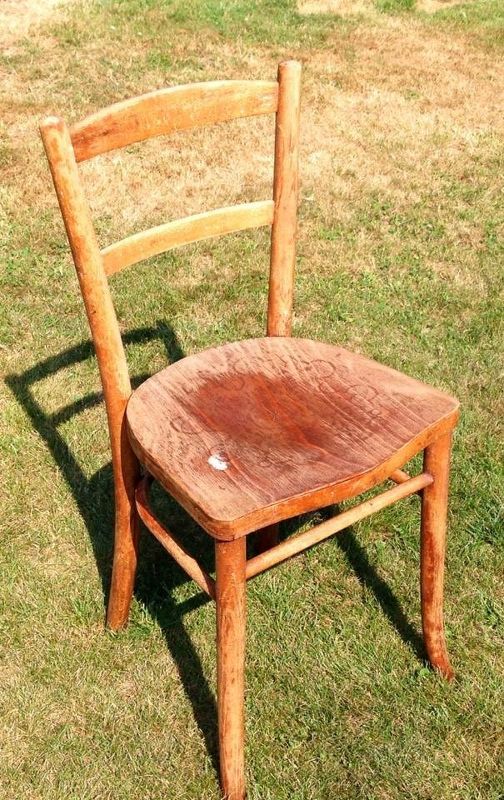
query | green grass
[483, 19]
[394, 6]
[400, 257]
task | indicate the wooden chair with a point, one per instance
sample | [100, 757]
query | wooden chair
[256, 431]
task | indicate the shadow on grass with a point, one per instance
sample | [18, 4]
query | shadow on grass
[368, 577]
[158, 575]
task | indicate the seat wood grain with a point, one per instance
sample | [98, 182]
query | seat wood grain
[249, 433]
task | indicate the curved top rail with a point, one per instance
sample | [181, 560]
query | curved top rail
[168, 110]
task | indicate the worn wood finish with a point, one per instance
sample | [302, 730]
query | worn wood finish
[285, 196]
[432, 552]
[253, 432]
[168, 110]
[171, 544]
[230, 560]
[184, 231]
[302, 541]
[110, 355]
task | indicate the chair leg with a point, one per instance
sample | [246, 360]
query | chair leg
[266, 538]
[125, 542]
[230, 560]
[432, 552]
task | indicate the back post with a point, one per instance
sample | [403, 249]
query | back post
[109, 352]
[283, 230]
[285, 197]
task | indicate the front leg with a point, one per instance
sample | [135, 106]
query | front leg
[432, 552]
[230, 561]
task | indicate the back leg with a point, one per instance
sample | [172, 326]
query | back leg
[266, 538]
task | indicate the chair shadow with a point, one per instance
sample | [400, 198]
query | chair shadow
[357, 558]
[390, 606]
[158, 575]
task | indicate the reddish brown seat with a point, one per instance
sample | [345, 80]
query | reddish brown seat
[249, 433]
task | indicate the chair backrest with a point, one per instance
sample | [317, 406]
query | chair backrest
[153, 114]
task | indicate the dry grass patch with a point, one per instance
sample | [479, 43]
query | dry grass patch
[444, 71]
[185, 173]
[364, 130]
[364, 127]
[157, 180]
[17, 17]
[397, 131]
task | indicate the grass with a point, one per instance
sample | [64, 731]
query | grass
[400, 257]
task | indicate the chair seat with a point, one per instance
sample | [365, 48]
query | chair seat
[249, 433]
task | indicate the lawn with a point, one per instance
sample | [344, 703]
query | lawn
[400, 257]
